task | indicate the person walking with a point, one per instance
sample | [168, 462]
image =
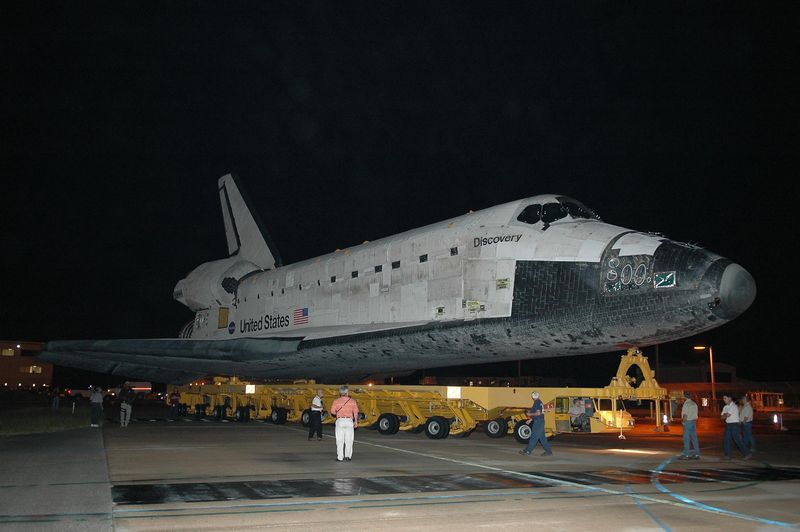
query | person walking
[96, 402]
[689, 419]
[174, 404]
[536, 421]
[345, 409]
[315, 417]
[730, 415]
[56, 393]
[746, 417]
[126, 398]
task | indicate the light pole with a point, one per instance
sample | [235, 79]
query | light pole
[711, 367]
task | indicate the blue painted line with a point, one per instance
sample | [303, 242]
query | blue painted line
[660, 487]
[646, 510]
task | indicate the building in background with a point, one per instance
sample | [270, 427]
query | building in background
[696, 378]
[19, 368]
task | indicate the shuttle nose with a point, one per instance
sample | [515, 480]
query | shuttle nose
[737, 290]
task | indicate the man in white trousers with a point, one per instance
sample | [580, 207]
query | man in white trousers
[345, 409]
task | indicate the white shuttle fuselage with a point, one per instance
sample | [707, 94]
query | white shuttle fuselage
[538, 277]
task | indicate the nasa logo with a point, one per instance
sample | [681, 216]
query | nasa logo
[231, 327]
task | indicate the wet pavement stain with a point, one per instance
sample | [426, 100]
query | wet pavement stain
[128, 494]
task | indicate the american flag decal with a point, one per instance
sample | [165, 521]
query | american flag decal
[301, 316]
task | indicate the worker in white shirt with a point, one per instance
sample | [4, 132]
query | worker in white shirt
[689, 420]
[315, 418]
[746, 417]
[730, 415]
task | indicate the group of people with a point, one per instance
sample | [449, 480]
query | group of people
[738, 419]
[737, 416]
[345, 410]
[126, 398]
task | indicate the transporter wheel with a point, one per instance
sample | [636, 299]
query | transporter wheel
[522, 432]
[242, 414]
[305, 417]
[278, 416]
[199, 411]
[219, 412]
[388, 424]
[496, 428]
[437, 428]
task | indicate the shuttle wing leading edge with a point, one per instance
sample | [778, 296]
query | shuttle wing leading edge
[167, 360]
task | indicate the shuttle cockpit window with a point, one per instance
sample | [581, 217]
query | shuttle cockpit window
[576, 209]
[555, 210]
[552, 212]
[531, 214]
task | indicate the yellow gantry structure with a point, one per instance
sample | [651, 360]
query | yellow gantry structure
[438, 411]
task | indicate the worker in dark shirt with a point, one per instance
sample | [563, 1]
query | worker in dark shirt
[174, 404]
[536, 421]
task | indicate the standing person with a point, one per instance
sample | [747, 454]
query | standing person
[126, 398]
[315, 419]
[56, 392]
[345, 409]
[536, 421]
[746, 415]
[96, 401]
[689, 419]
[174, 404]
[730, 415]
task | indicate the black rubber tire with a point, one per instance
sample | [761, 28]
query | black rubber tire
[496, 428]
[437, 428]
[219, 412]
[242, 414]
[522, 432]
[305, 417]
[388, 424]
[278, 416]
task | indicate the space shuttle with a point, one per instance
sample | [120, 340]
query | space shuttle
[533, 278]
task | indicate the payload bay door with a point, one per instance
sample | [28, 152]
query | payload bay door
[488, 287]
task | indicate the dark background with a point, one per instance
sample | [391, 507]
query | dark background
[354, 122]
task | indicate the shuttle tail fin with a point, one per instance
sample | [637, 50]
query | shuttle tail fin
[243, 229]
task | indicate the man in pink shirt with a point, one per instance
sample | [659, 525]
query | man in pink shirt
[345, 409]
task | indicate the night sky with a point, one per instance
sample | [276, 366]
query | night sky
[353, 121]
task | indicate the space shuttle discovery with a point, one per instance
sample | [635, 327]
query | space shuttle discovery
[533, 278]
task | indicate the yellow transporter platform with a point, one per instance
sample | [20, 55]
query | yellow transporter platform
[438, 411]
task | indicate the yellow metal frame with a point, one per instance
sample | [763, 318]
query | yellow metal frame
[464, 407]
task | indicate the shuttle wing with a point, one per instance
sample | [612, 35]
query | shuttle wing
[167, 360]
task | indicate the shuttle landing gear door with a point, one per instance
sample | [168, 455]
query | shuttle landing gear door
[488, 288]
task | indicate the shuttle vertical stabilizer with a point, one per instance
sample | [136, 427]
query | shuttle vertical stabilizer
[243, 230]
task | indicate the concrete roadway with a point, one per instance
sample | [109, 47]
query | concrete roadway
[226, 476]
